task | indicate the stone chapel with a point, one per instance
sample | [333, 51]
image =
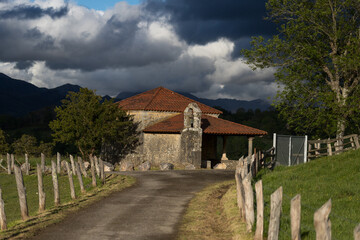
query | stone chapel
[179, 130]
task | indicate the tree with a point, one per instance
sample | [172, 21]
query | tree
[90, 124]
[25, 144]
[316, 56]
[4, 146]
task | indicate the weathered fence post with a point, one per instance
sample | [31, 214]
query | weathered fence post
[102, 171]
[71, 181]
[275, 212]
[21, 193]
[249, 202]
[73, 169]
[97, 168]
[357, 232]
[356, 140]
[92, 166]
[322, 222]
[295, 215]
[79, 177]
[55, 184]
[259, 232]
[82, 167]
[3, 225]
[329, 147]
[8, 163]
[42, 162]
[256, 162]
[41, 192]
[27, 164]
[12, 161]
[240, 196]
[58, 163]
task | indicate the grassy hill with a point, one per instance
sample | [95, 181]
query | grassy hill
[336, 177]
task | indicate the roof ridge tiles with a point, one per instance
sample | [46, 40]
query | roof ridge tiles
[164, 100]
[154, 95]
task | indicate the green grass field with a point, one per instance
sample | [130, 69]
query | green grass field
[10, 195]
[336, 177]
[12, 208]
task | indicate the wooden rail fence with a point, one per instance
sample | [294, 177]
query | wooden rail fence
[244, 192]
[329, 147]
[76, 168]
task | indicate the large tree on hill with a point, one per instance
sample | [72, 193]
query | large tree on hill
[316, 56]
[89, 123]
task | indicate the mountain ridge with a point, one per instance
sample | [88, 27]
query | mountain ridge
[18, 98]
[231, 105]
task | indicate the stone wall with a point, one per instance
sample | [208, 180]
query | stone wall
[158, 148]
[147, 118]
[190, 149]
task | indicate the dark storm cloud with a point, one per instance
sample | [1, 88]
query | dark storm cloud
[137, 47]
[25, 12]
[118, 44]
[24, 65]
[202, 21]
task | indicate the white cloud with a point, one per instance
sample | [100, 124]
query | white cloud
[122, 49]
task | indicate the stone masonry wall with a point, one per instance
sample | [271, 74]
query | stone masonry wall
[147, 118]
[190, 149]
[158, 148]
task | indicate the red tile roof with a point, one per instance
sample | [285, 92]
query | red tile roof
[162, 99]
[210, 125]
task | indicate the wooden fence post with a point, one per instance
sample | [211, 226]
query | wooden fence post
[295, 215]
[41, 192]
[329, 148]
[256, 164]
[102, 170]
[73, 169]
[71, 181]
[275, 212]
[58, 163]
[322, 222]
[8, 163]
[356, 140]
[249, 202]
[21, 193]
[92, 166]
[97, 168]
[55, 184]
[12, 161]
[357, 232]
[240, 196]
[82, 167]
[79, 177]
[27, 164]
[259, 232]
[3, 225]
[42, 162]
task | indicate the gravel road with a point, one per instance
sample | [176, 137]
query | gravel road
[151, 209]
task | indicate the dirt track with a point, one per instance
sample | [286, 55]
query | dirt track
[151, 209]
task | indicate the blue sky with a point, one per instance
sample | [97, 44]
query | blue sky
[103, 4]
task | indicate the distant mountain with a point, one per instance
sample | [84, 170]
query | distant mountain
[18, 97]
[231, 105]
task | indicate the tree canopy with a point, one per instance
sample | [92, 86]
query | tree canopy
[4, 146]
[25, 144]
[91, 124]
[316, 55]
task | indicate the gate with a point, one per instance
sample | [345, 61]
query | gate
[290, 150]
